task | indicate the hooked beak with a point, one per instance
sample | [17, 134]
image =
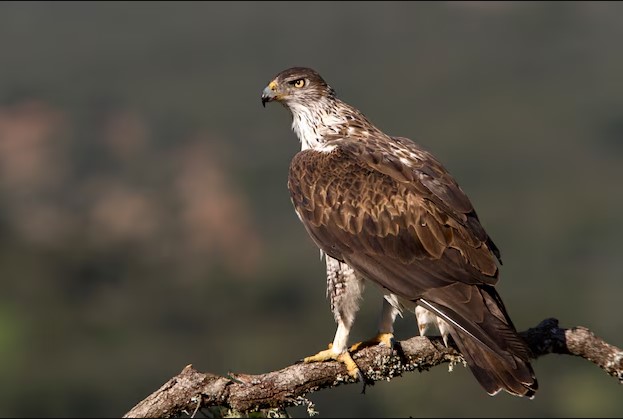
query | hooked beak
[270, 93]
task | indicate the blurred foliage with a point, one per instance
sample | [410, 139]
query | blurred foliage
[146, 225]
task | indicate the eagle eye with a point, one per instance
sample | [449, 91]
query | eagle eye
[298, 83]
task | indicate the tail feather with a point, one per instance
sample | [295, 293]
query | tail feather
[486, 337]
[493, 372]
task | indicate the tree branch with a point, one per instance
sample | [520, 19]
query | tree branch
[240, 394]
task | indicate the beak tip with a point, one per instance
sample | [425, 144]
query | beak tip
[268, 95]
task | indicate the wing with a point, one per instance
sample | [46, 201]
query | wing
[405, 161]
[402, 220]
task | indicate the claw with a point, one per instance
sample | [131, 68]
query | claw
[351, 367]
[344, 357]
[386, 339]
[326, 355]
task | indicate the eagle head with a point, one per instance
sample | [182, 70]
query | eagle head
[296, 86]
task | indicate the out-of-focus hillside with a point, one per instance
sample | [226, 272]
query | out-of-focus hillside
[145, 222]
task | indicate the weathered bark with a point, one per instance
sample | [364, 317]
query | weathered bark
[241, 394]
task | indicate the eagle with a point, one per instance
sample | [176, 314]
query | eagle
[384, 210]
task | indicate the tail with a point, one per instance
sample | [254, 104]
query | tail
[486, 337]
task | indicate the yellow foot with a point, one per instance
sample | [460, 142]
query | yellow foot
[344, 358]
[386, 339]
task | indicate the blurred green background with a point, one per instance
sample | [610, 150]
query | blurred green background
[145, 222]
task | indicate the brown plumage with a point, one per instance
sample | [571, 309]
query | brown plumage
[383, 209]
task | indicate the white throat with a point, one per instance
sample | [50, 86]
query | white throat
[312, 124]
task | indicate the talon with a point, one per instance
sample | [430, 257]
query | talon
[351, 367]
[345, 358]
[386, 339]
[326, 355]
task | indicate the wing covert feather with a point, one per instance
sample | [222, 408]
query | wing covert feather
[358, 213]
